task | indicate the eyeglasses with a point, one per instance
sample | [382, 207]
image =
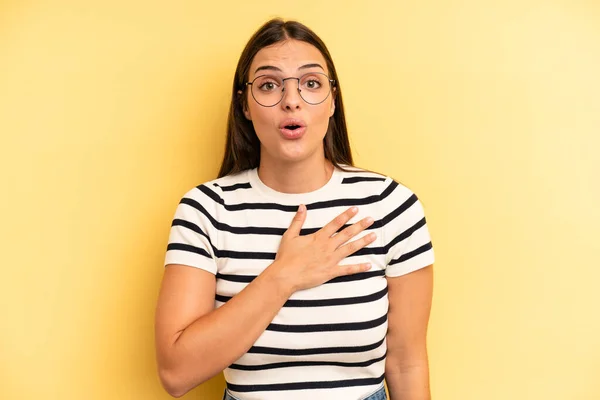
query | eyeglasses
[268, 90]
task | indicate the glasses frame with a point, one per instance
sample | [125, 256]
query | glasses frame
[331, 85]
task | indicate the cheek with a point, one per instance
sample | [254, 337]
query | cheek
[262, 120]
[257, 113]
[321, 114]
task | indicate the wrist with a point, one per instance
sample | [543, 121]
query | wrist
[277, 279]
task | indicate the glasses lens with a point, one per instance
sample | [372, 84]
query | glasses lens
[266, 90]
[314, 87]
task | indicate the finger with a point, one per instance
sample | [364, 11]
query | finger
[351, 231]
[339, 221]
[352, 247]
[297, 221]
[341, 270]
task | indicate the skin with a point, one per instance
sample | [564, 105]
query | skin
[291, 166]
[194, 341]
[297, 166]
[407, 366]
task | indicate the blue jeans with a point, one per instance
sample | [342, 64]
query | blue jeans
[379, 394]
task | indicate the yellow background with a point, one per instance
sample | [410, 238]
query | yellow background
[488, 110]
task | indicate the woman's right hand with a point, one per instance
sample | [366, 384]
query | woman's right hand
[307, 261]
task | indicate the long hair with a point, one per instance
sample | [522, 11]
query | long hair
[242, 147]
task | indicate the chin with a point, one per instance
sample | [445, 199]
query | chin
[297, 154]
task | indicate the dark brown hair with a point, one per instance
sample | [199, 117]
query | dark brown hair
[242, 147]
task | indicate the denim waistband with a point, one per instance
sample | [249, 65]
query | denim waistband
[379, 394]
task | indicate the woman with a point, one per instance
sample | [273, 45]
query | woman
[294, 272]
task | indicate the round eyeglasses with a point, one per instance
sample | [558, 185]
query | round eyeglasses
[313, 87]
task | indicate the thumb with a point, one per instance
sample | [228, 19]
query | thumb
[298, 221]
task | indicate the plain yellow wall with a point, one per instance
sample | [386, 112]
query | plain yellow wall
[489, 110]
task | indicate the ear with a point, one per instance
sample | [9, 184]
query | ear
[332, 109]
[246, 111]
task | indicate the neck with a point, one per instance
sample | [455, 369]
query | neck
[297, 177]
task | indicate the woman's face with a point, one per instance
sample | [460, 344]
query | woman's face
[290, 58]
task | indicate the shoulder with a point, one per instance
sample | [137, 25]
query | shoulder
[212, 191]
[385, 185]
[360, 177]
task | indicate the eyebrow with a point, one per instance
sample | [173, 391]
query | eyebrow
[273, 68]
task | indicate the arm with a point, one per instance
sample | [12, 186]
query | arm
[407, 366]
[195, 342]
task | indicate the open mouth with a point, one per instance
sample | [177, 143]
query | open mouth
[292, 128]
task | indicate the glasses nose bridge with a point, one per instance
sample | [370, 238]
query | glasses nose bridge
[285, 79]
[283, 95]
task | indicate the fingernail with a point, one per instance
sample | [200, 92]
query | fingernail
[354, 209]
[301, 208]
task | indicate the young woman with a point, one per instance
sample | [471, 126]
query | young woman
[296, 273]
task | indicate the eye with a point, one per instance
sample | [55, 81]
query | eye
[268, 86]
[267, 83]
[313, 84]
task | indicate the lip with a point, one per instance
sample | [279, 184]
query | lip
[289, 133]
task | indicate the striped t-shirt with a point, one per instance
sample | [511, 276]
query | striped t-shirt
[327, 342]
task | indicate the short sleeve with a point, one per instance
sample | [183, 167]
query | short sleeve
[192, 232]
[405, 231]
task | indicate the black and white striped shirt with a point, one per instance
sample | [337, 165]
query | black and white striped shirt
[327, 342]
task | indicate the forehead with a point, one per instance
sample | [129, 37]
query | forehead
[288, 55]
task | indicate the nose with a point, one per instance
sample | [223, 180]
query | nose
[291, 95]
